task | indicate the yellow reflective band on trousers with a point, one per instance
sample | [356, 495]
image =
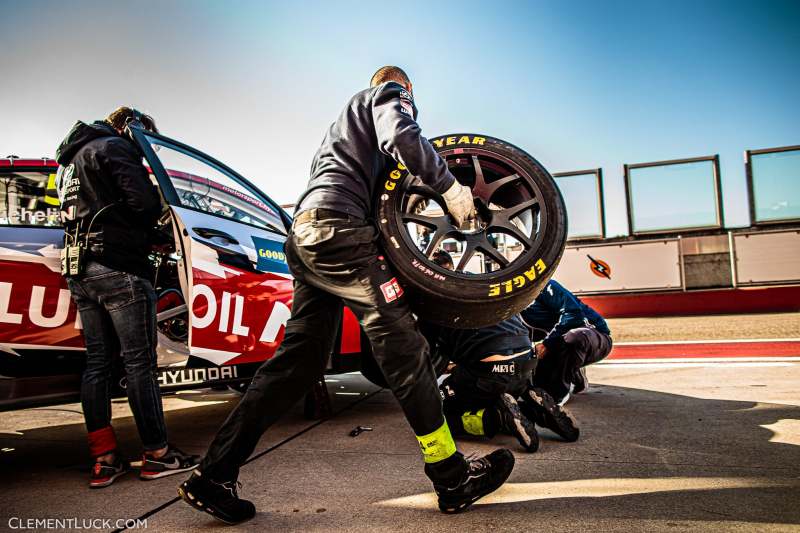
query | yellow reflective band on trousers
[473, 422]
[437, 446]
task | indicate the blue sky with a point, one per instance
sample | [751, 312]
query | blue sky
[577, 84]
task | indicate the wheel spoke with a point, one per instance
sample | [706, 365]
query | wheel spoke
[493, 186]
[480, 181]
[426, 192]
[484, 190]
[469, 251]
[433, 245]
[513, 211]
[489, 249]
[441, 229]
[423, 220]
[480, 189]
[509, 228]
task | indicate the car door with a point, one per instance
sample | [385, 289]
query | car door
[229, 239]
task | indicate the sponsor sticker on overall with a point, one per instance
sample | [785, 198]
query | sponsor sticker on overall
[407, 108]
[271, 257]
[391, 290]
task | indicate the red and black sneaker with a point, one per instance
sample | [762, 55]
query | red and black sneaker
[104, 474]
[172, 462]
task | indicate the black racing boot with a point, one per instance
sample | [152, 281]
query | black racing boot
[540, 407]
[220, 500]
[513, 422]
[459, 482]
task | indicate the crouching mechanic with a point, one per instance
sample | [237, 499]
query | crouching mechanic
[108, 201]
[488, 369]
[572, 334]
[489, 388]
[333, 254]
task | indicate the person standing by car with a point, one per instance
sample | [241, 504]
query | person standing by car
[572, 334]
[333, 254]
[110, 207]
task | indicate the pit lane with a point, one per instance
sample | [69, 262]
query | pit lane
[666, 445]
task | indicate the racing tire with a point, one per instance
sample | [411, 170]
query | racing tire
[504, 260]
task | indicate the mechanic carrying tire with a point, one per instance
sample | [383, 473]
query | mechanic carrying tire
[333, 253]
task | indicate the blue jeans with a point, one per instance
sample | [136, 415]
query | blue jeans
[118, 313]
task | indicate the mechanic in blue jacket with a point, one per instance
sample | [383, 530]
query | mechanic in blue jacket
[572, 335]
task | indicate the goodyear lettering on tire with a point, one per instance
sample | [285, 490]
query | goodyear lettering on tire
[454, 140]
[394, 176]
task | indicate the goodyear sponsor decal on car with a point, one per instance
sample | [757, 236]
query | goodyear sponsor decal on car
[271, 257]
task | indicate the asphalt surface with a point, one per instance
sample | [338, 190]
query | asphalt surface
[664, 447]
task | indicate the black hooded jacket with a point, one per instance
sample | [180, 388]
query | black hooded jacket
[376, 129]
[98, 168]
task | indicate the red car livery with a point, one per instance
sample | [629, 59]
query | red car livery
[225, 291]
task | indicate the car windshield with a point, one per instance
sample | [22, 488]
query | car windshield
[29, 199]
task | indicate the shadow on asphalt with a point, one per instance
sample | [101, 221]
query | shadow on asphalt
[646, 455]
[643, 455]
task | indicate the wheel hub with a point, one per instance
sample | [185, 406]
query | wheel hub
[509, 222]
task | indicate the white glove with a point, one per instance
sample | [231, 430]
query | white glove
[459, 202]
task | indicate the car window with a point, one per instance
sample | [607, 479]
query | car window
[29, 199]
[205, 187]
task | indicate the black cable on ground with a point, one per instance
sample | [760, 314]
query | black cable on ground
[166, 504]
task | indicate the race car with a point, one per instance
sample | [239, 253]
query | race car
[225, 291]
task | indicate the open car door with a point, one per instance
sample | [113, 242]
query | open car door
[229, 243]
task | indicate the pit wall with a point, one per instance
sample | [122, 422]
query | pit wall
[734, 272]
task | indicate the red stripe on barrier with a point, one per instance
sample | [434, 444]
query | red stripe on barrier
[702, 350]
[697, 302]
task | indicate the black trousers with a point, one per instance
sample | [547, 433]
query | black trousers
[335, 261]
[476, 385]
[581, 347]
